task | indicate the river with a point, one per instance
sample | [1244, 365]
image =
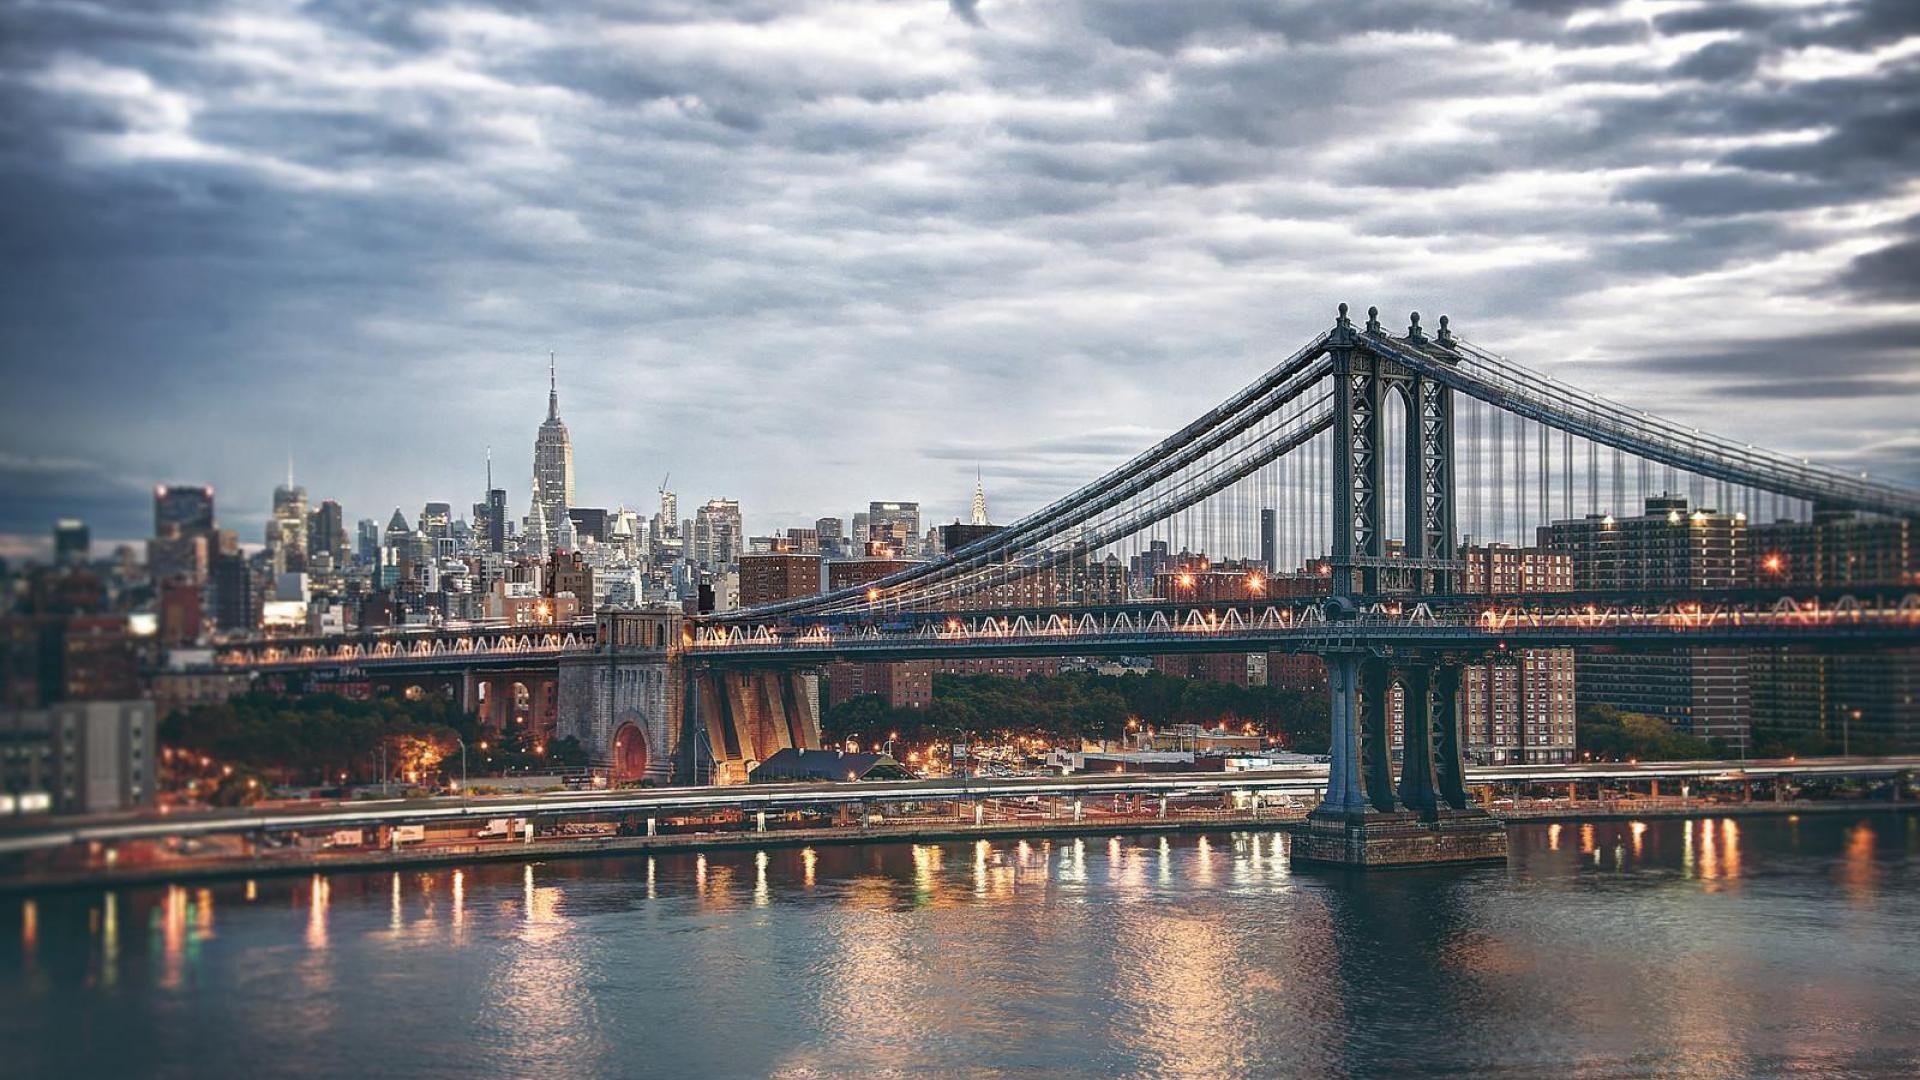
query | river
[1716, 947]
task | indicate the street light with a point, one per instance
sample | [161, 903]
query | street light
[463, 763]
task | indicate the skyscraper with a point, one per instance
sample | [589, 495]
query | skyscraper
[186, 507]
[718, 536]
[236, 599]
[327, 532]
[367, 542]
[669, 509]
[497, 520]
[830, 533]
[896, 525]
[71, 542]
[552, 464]
[287, 529]
[979, 500]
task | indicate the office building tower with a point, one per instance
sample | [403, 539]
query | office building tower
[956, 536]
[496, 532]
[589, 523]
[896, 525]
[436, 520]
[71, 542]
[718, 536]
[1269, 534]
[830, 533]
[669, 511]
[398, 535]
[186, 507]
[287, 528]
[236, 598]
[177, 557]
[327, 532]
[552, 464]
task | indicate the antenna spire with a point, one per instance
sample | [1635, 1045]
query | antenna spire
[553, 390]
[489, 470]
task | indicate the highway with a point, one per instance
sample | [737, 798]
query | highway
[22, 835]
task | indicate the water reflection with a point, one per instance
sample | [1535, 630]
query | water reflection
[317, 899]
[1859, 872]
[1151, 955]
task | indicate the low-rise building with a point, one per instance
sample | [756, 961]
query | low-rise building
[86, 757]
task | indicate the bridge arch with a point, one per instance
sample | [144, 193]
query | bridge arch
[631, 754]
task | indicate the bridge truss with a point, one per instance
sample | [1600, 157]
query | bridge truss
[1365, 457]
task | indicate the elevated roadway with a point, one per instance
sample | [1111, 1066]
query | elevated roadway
[1294, 780]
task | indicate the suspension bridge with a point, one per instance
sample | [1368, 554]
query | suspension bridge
[1343, 489]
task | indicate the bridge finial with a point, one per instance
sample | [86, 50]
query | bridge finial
[1445, 336]
[1373, 320]
[1342, 335]
[1413, 328]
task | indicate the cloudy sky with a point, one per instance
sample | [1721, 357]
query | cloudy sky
[808, 254]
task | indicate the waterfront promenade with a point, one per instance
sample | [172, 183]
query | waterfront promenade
[695, 820]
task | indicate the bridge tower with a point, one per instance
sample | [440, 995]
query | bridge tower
[1366, 384]
[1367, 819]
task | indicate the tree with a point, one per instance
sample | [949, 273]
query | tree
[320, 738]
[1609, 734]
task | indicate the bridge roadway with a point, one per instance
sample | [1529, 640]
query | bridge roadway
[1653, 632]
[1304, 780]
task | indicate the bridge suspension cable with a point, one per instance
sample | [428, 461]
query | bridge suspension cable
[1254, 476]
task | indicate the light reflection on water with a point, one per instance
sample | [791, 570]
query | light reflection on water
[1708, 947]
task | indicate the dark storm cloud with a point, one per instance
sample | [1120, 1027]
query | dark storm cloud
[1854, 353]
[1804, 389]
[1888, 273]
[1725, 194]
[1712, 17]
[1721, 61]
[808, 252]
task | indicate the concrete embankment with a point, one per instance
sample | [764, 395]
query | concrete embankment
[890, 832]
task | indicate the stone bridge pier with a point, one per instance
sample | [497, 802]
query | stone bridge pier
[647, 715]
[747, 716]
[1369, 817]
[623, 701]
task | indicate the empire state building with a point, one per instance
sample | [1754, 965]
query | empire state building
[552, 467]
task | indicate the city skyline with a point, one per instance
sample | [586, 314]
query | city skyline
[1692, 207]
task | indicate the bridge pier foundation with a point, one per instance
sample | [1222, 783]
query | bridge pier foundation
[1363, 822]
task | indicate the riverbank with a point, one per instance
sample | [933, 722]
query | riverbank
[285, 864]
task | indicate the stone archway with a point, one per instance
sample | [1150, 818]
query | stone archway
[630, 756]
